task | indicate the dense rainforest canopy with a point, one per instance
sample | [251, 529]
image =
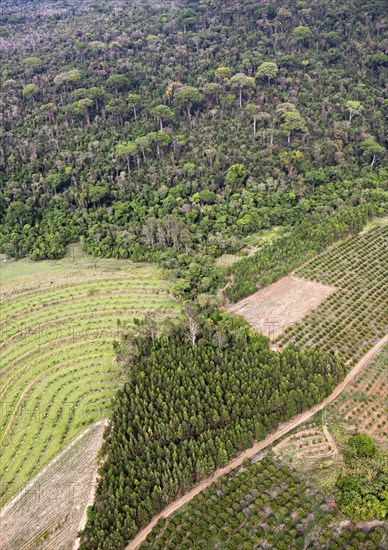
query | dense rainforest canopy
[309, 237]
[171, 130]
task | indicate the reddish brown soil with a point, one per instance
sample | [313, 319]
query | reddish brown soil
[272, 309]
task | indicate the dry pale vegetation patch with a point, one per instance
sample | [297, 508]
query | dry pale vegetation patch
[58, 322]
[48, 512]
[282, 304]
[253, 243]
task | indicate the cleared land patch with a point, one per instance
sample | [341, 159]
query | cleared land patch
[57, 328]
[253, 243]
[353, 319]
[315, 447]
[48, 513]
[282, 304]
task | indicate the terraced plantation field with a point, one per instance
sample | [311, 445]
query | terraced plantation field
[316, 447]
[353, 318]
[309, 443]
[262, 505]
[363, 405]
[58, 323]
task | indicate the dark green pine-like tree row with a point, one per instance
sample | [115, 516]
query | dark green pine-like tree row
[307, 238]
[188, 409]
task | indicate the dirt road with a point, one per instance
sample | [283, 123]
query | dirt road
[330, 439]
[257, 447]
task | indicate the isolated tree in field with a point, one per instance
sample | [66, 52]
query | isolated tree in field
[372, 150]
[162, 113]
[253, 111]
[188, 98]
[361, 445]
[267, 70]
[127, 149]
[354, 108]
[242, 82]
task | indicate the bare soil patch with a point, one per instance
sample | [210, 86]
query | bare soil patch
[48, 512]
[280, 305]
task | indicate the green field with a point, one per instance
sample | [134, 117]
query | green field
[58, 322]
[353, 318]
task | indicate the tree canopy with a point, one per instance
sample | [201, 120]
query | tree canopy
[293, 93]
[196, 397]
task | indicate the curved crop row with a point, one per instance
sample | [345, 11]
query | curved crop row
[57, 374]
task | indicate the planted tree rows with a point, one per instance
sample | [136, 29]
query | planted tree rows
[187, 410]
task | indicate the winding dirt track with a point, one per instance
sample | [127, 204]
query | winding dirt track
[257, 447]
[330, 439]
